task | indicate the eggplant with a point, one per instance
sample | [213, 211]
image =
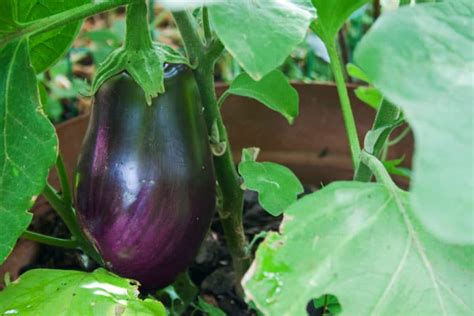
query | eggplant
[144, 183]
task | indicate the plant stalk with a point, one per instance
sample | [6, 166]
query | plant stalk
[229, 181]
[67, 214]
[49, 240]
[347, 114]
[138, 31]
[386, 115]
[60, 19]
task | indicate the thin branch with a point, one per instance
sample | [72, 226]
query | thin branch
[348, 116]
[50, 240]
[400, 137]
[229, 181]
[64, 181]
[206, 25]
[193, 43]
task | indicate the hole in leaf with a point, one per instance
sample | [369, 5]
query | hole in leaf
[325, 305]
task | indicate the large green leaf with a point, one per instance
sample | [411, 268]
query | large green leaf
[28, 145]
[421, 58]
[260, 34]
[47, 48]
[332, 14]
[273, 90]
[44, 292]
[360, 242]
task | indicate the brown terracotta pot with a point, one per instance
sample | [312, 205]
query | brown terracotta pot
[315, 147]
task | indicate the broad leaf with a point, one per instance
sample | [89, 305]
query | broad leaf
[332, 14]
[68, 292]
[273, 90]
[429, 75]
[260, 34]
[277, 186]
[359, 242]
[48, 47]
[28, 147]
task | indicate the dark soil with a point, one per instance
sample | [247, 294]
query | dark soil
[211, 272]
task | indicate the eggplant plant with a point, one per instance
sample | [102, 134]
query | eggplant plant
[157, 163]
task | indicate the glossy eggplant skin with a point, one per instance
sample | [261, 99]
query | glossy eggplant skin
[145, 185]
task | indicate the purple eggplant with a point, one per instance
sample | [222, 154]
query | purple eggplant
[145, 184]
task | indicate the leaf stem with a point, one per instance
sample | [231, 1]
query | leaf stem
[229, 181]
[386, 115]
[400, 137]
[50, 240]
[67, 214]
[347, 114]
[378, 169]
[60, 19]
[64, 181]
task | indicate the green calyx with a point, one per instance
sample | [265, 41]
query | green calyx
[141, 58]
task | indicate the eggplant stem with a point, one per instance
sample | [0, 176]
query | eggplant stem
[227, 177]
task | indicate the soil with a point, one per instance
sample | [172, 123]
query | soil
[211, 272]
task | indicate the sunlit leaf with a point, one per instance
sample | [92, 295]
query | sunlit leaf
[429, 75]
[44, 292]
[361, 243]
[260, 34]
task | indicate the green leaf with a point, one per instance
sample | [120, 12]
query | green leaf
[330, 303]
[46, 48]
[370, 96]
[29, 144]
[359, 242]
[209, 309]
[356, 73]
[180, 294]
[393, 167]
[260, 34]
[432, 82]
[332, 14]
[277, 186]
[68, 292]
[273, 90]
[8, 22]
